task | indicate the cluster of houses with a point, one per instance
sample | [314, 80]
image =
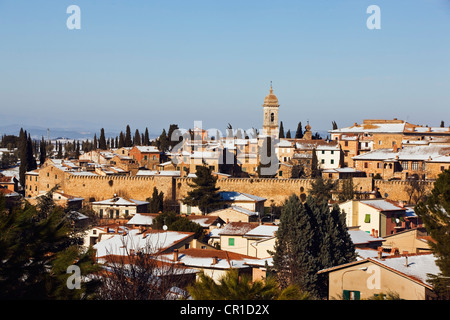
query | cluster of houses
[393, 252]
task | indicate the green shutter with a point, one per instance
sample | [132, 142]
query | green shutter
[367, 218]
[231, 241]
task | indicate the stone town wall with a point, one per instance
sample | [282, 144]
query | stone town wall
[274, 190]
[104, 187]
[398, 190]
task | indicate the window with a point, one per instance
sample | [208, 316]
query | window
[323, 151]
[367, 218]
[415, 165]
[405, 165]
[346, 143]
[127, 212]
[117, 213]
[231, 242]
[56, 176]
[351, 295]
[332, 151]
[379, 142]
[323, 161]
[101, 213]
[332, 161]
[280, 173]
[442, 168]
[145, 157]
[366, 165]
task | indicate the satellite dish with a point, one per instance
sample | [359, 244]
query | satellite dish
[397, 220]
[218, 225]
[164, 227]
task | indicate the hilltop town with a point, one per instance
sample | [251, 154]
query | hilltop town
[132, 197]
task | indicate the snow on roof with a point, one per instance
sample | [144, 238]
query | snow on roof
[203, 221]
[239, 196]
[147, 149]
[262, 231]
[238, 228]
[210, 258]
[142, 219]
[121, 202]
[428, 152]
[368, 253]
[360, 237]
[373, 128]
[156, 173]
[382, 205]
[418, 266]
[154, 241]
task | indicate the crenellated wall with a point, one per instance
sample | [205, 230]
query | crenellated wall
[274, 190]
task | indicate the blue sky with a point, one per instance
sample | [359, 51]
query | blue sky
[152, 63]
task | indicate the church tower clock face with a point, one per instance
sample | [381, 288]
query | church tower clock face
[270, 121]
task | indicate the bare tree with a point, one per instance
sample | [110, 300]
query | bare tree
[141, 274]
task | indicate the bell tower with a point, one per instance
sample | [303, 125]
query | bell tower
[270, 109]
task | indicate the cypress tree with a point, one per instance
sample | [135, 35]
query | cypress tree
[23, 156]
[137, 138]
[146, 137]
[95, 142]
[288, 134]
[42, 152]
[128, 141]
[121, 140]
[31, 161]
[102, 140]
[281, 132]
[299, 132]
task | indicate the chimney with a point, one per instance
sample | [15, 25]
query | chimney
[406, 260]
[380, 252]
[214, 260]
[175, 255]
[376, 233]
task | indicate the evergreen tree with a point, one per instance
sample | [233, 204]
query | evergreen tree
[288, 134]
[321, 189]
[95, 142]
[310, 238]
[334, 125]
[299, 132]
[102, 140]
[156, 201]
[434, 212]
[121, 140]
[128, 141]
[36, 248]
[146, 138]
[42, 151]
[315, 171]
[296, 246]
[173, 136]
[281, 131]
[31, 161]
[137, 138]
[204, 193]
[60, 151]
[23, 156]
[163, 141]
[442, 123]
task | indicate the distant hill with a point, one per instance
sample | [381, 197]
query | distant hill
[37, 132]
